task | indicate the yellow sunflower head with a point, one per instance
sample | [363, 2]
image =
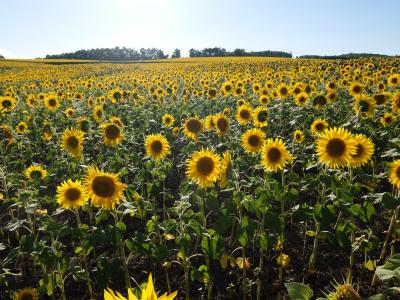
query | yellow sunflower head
[35, 172]
[396, 102]
[244, 114]
[260, 116]
[319, 126]
[111, 134]
[221, 124]
[7, 104]
[335, 147]
[71, 194]
[283, 91]
[157, 146]
[26, 294]
[175, 131]
[69, 112]
[225, 163]
[192, 128]
[364, 150]
[72, 142]
[168, 120]
[22, 127]
[253, 140]
[117, 121]
[356, 89]
[301, 99]
[203, 167]
[394, 173]
[103, 188]
[51, 102]
[298, 136]
[388, 119]
[98, 113]
[364, 105]
[274, 155]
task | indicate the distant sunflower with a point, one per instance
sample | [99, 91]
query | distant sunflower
[356, 89]
[253, 140]
[51, 102]
[394, 79]
[319, 126]
[209, 122]
[240, 102]
[104, 189]
[331, 96]
[264, 100]
[71, 194]
[192, 128]
[35, 172]
[260, 116]
[319, 101]
[72, 142]
[301, 99]
[168, 120]
[298, 136]
[335, 147]
[227, 88]
[364, 150]
[244, 114]
[381, 98]
[203, 167]
[274, 155]
[69, 112]
[283, 91]
[112, 134]
[221, 124]
[26, 294]
[98, 113]
[394, 173]
[396, 102]
[364, 105]
[175, 131]
[157, 146]
[7, 104]
[22, 127]
[388, 119]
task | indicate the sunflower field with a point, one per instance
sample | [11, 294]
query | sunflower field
[204, 178]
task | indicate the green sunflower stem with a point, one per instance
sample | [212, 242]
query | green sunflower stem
[208, 263]
[313, 257]
[123, 257]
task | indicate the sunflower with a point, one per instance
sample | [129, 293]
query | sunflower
[319, 101]
[209, 122]
[98, 113]
[26, 294]
[225, 163]
[112, 134]
[319, 126]
[71, 194]
[264, 100]
[356, 89]
[274, 155]
[364, 105]
[168, 120]
[117, 121]
[7, 104]
[51, 102]
[104, 189]
[252, 140]
[364, 150]
[83, 124]
[72, 142]
[260, 116]
[244, 114]
[394, 79]
[157, 146]
[227, 88]
[192, 128]
[381, 98]
[35, 172]
[212, 94]
[301, 99]
[175, 131]
[394, 173]
[221, 124]
[69, 112]
[283, 91]
[298, 136]
[22, 127]
[396, 102]
[203, 167]
[388, 119]
[335, 147]
[332, 96]
[6, 134]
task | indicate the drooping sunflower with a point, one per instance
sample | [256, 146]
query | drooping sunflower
[203, 167]
[221, 124]
[72, 142]
[260, 116]
[83, 124]
[274, 155]
[103, 188]
[209, 122]
[168, 120]
[26, 294]
[388, 119]
[298, 136]
[157, 146]
[319, 126]
[51, 102]
[335, 147]
[364, 150]
[112, 134]
[244, 114]
[364, 105]
[7, 104]
[22, 127]
[192, 128]
[98, 113]
[35, 172]
[394, 173]
[253, 140]
[71, 194]
[225, 163]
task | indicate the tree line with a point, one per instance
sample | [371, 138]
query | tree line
[217, 51]
[344, 56]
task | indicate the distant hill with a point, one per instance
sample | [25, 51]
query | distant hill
[113, 54]
[1, 56]
[344, 56]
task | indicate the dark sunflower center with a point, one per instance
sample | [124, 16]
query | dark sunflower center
[359, 151]
[36, 174]
[6, 103]
[52, 102]
[99, 113]
[27, 297]
[319, 127]
[73, 194]
[274, 155]
[156, 146]
[302, 99]
[283, 91]
[319, 100]
[73, 142]
[245, 114]
[193, 125]
[212, 93]
[21, 127]
[398, 172]
[222, 124]
[364, 106]
[298, 136]
[388, 119]
[228, 88]
[112, 131]
[296, 91]
[394, 80]
[357, 89]
[254, 140]
[117, 95]
[167, 120]
[205, 166]
[238, 91]
[336, 147]
[84, 125]
[380, 99]
[262, 116]
[103, 186]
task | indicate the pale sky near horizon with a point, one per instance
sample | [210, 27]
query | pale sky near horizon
[32, 29]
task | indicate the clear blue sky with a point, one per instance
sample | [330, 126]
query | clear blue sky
[36, 28]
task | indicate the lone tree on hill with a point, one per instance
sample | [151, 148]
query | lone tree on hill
[176, 53]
